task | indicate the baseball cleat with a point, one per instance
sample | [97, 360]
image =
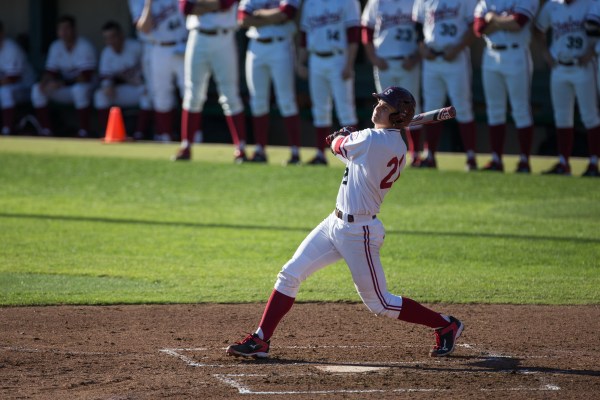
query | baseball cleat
[591, 171]
[471, 164]
[184, 154]
[523, 167]
[416, 162]
[251, 346]
[427, 163]
[494, 166]
[259, 157]
[559, 169]
[294, 160]
[445, 338]
[239, 156]
[318, 160]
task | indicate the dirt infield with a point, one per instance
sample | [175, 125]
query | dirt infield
[320, 350]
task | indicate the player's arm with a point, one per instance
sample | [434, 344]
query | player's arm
[367, 34]
[466, 40]
[267, 16]
[302, 57]
[353, 35]
[540, 37]
[492, 22]
[145, 23]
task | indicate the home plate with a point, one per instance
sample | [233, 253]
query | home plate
[348, 369]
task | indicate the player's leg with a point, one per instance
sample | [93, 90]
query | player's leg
[102, 103]
[10, 96]
[82, 99]
[411, 80]
[282, 71]
[434, 97]
[519, 93]
[359, 246]
[39, 101]
[258, 80]
[587, 102]
[458, 80]
[562, 93]
[320, 89]
[146, 111]
[162, 91]
[343, 94]
[224, 66]
[494, 89]
[315, 252]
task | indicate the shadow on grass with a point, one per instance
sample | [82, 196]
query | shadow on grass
[126, 221]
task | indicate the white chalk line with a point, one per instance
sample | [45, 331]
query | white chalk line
[230, 379]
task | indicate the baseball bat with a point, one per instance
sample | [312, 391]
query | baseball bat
[433, 116]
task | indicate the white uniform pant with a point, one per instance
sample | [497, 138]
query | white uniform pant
[166, 69]
[79, 94]
[271, 61]
[453, 79]
[358, 244]
[570, 83]
[324, 82]
[395, 75]
[13, 94]
[125, 96]
[508, 73]
[216, 55]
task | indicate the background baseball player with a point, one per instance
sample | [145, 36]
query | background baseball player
[16, 78]
[592, 25]
[164, 26]
[390, 41]
[145, 116]
[445, 29]
[374, 159]
[120, 70]
[329, 38]
[507, 69]
[270, 57]
[571, 57]
[211, 50]
[69, 77]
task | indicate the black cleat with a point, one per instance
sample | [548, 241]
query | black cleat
[318, 160]
[559, 169]
[184, 154]
[250, 346]
[523, 168]
[445, 338]
[494, 166]
[591, 171]
[259, 157]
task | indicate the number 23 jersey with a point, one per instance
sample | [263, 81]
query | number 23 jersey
[444, 21]
[325, 23]
[374, 159]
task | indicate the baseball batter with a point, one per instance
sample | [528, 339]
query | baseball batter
[329, 38]
[571, 57]
[211, 50]
[164, 27]
[445, 31]
[121, 82]
[390, 41]
[16, 78]
[374, 159]
[69, 77]
[507, 69]
[270, 57]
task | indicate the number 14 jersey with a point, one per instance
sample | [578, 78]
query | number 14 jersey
[325, 23]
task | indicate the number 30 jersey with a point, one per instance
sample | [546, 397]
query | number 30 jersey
[325, 23]
[394, 29]
[374, 159]
[444, 21]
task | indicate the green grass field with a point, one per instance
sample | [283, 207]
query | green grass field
[83, 222]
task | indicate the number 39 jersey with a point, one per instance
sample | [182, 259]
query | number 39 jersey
[444, 21]
[394, 29]
[325, 23]
[374, 159]
[569, 40]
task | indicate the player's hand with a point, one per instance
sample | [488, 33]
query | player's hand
[345, 131]
[110, 92]
[426, 53]
[347, 72]
[302, 71]
[451, 52]
[411, 62]
[50, 86]
[380, 63]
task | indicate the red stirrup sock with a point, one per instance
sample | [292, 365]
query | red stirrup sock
[497, 136]
[468, 134]
[525, 140]
[292, 126]
[321, 135]
[418, 314]
[564, 141]
[593, 136]
[260, 126]
[279, 304]
[432, 134]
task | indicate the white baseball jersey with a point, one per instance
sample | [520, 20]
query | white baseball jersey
[394, 29]
[374, 159]
[169, 23]
[286, 29]
[529, 8]
[594, 15]
[222, 19]
[569, 40]
[71, 63]
[13, 62]
[325, 23]
[444, 21]
[124, 67]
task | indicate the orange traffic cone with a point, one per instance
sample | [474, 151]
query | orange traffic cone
[115, 129]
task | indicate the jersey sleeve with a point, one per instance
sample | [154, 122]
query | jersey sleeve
[542, 21]
[369, 15]
[135, 9]
[52, 61]
[354, 145]
[417, 12]
[352, 14]
[481, 10]
[88, 57]
[470, 6]
[527, 8]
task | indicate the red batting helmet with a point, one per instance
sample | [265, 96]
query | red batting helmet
[402, 100]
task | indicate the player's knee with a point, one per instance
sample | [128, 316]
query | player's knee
[101, 100]
[7, 99]
[259, 107]
[231, 104]
[38, 99]
[81, 95]
[287, 283]
[287, 109]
